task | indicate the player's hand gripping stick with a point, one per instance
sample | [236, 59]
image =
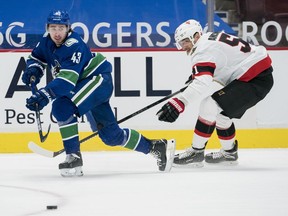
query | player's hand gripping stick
[37, 112]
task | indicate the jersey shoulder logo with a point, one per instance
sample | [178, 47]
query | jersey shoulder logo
[70, 42]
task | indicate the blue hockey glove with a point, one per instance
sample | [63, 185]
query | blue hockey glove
[171, 110]
[35, 71]
[38, 100]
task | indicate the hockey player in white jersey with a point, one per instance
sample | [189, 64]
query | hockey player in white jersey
[245, 74]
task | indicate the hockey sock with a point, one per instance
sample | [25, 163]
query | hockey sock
[202, 133]
[135, 141]
[226, 137]
[70, 136]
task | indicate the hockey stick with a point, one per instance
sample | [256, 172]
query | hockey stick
[47, 153]
[37, 112]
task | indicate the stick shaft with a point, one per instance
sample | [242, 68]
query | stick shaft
[137, 112]
[56, 153]
[37, 112]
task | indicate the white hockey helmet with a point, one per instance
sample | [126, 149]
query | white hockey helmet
[187, 30]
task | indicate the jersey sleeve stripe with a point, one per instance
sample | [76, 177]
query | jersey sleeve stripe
[69, 76]
[203, 73]
[87, 90]
[206, 64]
[31, 57]
[204, 68]
[92, 66]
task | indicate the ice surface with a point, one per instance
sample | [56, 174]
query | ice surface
[129, 184]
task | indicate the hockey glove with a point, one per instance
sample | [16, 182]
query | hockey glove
[38, 100]
[35, 71]
[171, 110]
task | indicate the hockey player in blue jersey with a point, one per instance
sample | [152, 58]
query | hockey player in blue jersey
[82, 85]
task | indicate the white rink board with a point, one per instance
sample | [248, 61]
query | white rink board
[170, 71]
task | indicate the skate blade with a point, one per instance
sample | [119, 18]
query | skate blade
[170, 152]
[190, 165]
[77, 171]
[225, 163]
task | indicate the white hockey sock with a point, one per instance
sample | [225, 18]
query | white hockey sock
[199, 141]
[227, 144]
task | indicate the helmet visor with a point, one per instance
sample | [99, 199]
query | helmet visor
[182, 43]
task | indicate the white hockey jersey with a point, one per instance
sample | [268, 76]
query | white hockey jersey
[223, 58]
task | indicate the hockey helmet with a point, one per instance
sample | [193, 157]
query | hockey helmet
[187, 30]
[58, 17]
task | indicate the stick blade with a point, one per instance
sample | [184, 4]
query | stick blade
[39, 150]
[171, 146]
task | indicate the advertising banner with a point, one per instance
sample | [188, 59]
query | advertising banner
[103, 24]
[140, 78]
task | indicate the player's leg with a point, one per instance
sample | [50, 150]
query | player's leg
[95, 103]
[63, 110]
[66, 110]
[235, 99]
[204, 128]
[111, 134]
[226, 133]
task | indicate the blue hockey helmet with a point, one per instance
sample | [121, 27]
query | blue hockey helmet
[58, 17]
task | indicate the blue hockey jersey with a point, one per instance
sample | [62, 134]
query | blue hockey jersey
[70, 63]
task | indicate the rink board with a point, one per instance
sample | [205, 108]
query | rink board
[263, 126]
[259, 138]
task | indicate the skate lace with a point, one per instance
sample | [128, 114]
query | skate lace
[70, 158]
[220, 154]
[217, 155]
[156, 154]
[187, 153]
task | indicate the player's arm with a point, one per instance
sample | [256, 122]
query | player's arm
[35, 66]
[64, 82]
[66, 77]
[74, 69]
[202, 77]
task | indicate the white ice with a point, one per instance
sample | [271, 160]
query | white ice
[129, 184]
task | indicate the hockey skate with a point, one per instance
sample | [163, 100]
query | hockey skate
[192, 157]
[72, 166]
[163, 151]
[227, 157]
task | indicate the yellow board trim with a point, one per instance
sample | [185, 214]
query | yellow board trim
[248, 138]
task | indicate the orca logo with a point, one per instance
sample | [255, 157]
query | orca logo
[55, 69]
[22, 36]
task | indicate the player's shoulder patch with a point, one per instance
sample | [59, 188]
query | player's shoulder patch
[70, 42]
